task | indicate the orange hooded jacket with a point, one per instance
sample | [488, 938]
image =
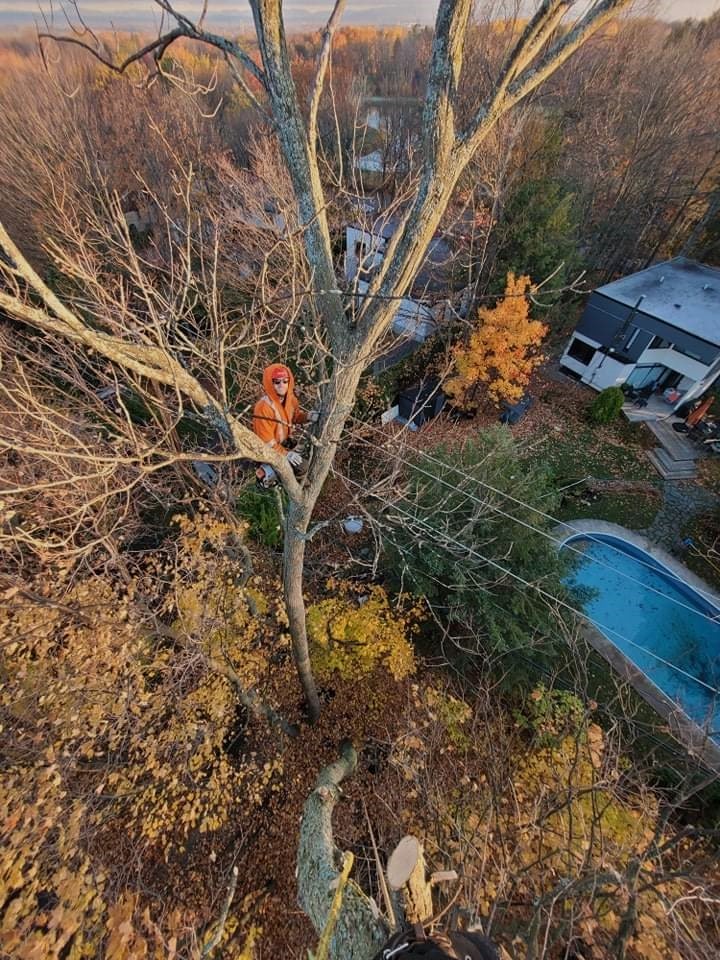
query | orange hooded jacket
[273, 418]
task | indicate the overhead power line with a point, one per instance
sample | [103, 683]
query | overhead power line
[443, 539]
[544, 533]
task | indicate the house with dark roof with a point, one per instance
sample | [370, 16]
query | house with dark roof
[658, 328]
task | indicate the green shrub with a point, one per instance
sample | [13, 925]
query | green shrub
[260, 509]
[551, 715]
[607, 405]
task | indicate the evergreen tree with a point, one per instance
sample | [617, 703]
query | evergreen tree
[455, 549]
[539, 232]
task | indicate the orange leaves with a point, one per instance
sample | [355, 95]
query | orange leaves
[502, 351]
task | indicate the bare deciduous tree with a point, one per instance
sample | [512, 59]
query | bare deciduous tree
[347, 334]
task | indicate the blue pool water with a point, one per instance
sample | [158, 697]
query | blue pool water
[656, 616]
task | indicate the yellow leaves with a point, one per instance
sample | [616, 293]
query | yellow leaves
[56, 895]
[133, 935]
[451, 712]
[353, 635]
[101, 704]
[596, 744]
[502, 351]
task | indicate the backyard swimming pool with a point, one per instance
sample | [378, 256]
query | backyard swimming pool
[669, 630]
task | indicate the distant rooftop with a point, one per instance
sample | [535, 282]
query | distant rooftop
[681, 292]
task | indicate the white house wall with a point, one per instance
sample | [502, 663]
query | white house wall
[674, 361]
[412, 320]
[603, 371]
[371, 162]
[570, 362]
[700, 386]
[373, 247]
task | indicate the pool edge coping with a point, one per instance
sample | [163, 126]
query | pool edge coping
[680, 725]
[566, 531]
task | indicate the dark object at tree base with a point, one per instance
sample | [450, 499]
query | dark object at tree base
[438, 946]
[514, 412]
[420, 404]
[456, 414]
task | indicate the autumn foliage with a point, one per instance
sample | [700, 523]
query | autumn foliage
[502, 352]
[136, 769]
[123, 744]
[354, 632]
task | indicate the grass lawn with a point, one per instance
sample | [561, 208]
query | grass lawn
[709, 474]
[704, 558]
[611, 452]
[636, 511]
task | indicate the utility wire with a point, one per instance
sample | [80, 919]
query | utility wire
[509, 496]
[648, 729]
[353, 292]
[522, 621]
[442, 539]
[544, 533]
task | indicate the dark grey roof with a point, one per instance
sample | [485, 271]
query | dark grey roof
[680, 292]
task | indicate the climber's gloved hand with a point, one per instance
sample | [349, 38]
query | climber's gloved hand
[313, 416]
[294, 459]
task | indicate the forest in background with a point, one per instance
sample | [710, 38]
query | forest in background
[153, 734]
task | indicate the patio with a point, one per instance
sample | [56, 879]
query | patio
[657, 409]
[675, 458]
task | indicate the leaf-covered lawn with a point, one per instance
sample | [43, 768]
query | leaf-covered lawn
[608, 453]
[636, 511]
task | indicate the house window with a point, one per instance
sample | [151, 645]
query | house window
[689, 353]
[657, 343]
[646, 375]
[631, 340]
[581, 351]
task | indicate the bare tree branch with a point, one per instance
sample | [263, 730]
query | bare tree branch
[323, 60]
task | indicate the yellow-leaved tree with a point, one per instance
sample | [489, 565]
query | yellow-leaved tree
[354, 631]
[129, 748]
[502, 352]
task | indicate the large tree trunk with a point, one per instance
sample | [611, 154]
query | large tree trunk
[337, 404]
[296, 524]
[350, 342]
[359, 931]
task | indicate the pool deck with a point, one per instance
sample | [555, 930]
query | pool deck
[680, 725]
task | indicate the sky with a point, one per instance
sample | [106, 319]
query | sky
[142, 14]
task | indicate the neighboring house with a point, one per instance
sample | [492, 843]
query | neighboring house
[413, 322]
[365, 248]
[373, 162]
[659, 327]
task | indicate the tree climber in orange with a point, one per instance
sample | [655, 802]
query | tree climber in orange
[274, 416]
